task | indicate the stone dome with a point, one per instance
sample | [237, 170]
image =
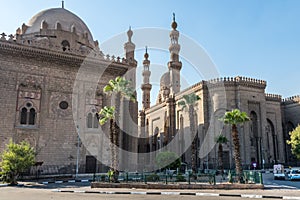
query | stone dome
[165, 80]
[67, 21]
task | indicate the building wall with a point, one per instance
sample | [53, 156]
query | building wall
[45, 79]
[262, 139]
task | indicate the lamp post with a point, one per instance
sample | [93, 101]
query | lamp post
[77, 157]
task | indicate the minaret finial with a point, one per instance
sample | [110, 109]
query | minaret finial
[63, 4]
[129, 34]
[174, 24]
[146, 56]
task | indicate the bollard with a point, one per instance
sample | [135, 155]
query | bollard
[214, 179]
[260, 178]
[94, 177]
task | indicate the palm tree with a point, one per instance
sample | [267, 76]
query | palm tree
[234, 118]
[108, 114]
[120, 87]
[221, 139]
[189, 103]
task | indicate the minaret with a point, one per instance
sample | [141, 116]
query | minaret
[146, 86]
[129, 48]
[130, 108]
[174, 64]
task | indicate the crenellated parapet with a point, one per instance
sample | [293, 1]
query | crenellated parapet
[273, 97]
[15, 43]
[291, 100]
[237, 81]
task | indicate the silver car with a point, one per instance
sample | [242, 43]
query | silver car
[294, 174]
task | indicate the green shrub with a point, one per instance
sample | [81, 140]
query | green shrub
[16, 159]
[152, 177]
[180, 178]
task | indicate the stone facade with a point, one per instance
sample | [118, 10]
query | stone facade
[46, 103]
[262, 140]
[39, 66]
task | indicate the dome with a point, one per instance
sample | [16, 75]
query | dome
[165, 80]
[58, 18]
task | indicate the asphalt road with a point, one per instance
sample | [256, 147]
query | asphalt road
[13, 193]
[45, 192]
[269, 182]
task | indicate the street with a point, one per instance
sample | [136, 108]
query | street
[270, 183]
[13, 193]
[75, 191]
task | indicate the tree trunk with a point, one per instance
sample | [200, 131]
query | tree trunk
[193, 147]
[220, 155]
[111, 143]
[237, 154]
[116, 136]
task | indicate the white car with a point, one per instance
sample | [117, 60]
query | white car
[278, 172]
[294, 174]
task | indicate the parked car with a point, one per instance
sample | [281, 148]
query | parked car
[278, 172]
[294, 174]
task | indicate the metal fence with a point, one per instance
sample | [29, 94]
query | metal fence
[204, 176]
[254, 177]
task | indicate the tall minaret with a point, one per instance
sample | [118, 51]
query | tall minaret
[129, 48]
[146, 86]
[130, 110]
[174, 64]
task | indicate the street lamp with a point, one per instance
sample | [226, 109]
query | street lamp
[78, 146]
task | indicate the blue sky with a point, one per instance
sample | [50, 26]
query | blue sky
[253, 38]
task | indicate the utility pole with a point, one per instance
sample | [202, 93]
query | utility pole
[78, 150]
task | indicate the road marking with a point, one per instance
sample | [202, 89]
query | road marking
[79, 191]
[170, 193]
[280, 186]
[252, 196]
[290, 197]
[207, 194]
[138, 193]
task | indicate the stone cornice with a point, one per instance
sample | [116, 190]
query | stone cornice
[291, 100]
[236, 81]
[13, 48]
[155, 108]
[273, 97]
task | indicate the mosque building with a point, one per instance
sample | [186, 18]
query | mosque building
[39, 67]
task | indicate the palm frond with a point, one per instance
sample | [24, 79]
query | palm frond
[235, 117]
[106, 113]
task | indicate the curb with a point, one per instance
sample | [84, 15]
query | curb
[51, 182]
[6, 185]
[66, 181]
[251, 196]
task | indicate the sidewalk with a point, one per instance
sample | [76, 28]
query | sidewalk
[246, 193]
[274, 194]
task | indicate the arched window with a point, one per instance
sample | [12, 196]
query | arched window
[89, 120]
[23, 116]
[31, 120]
[253, 128]
[272, 141]
[28, 115]
[58, 26]
[65, 45]
[96, 122]
[92, 120]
